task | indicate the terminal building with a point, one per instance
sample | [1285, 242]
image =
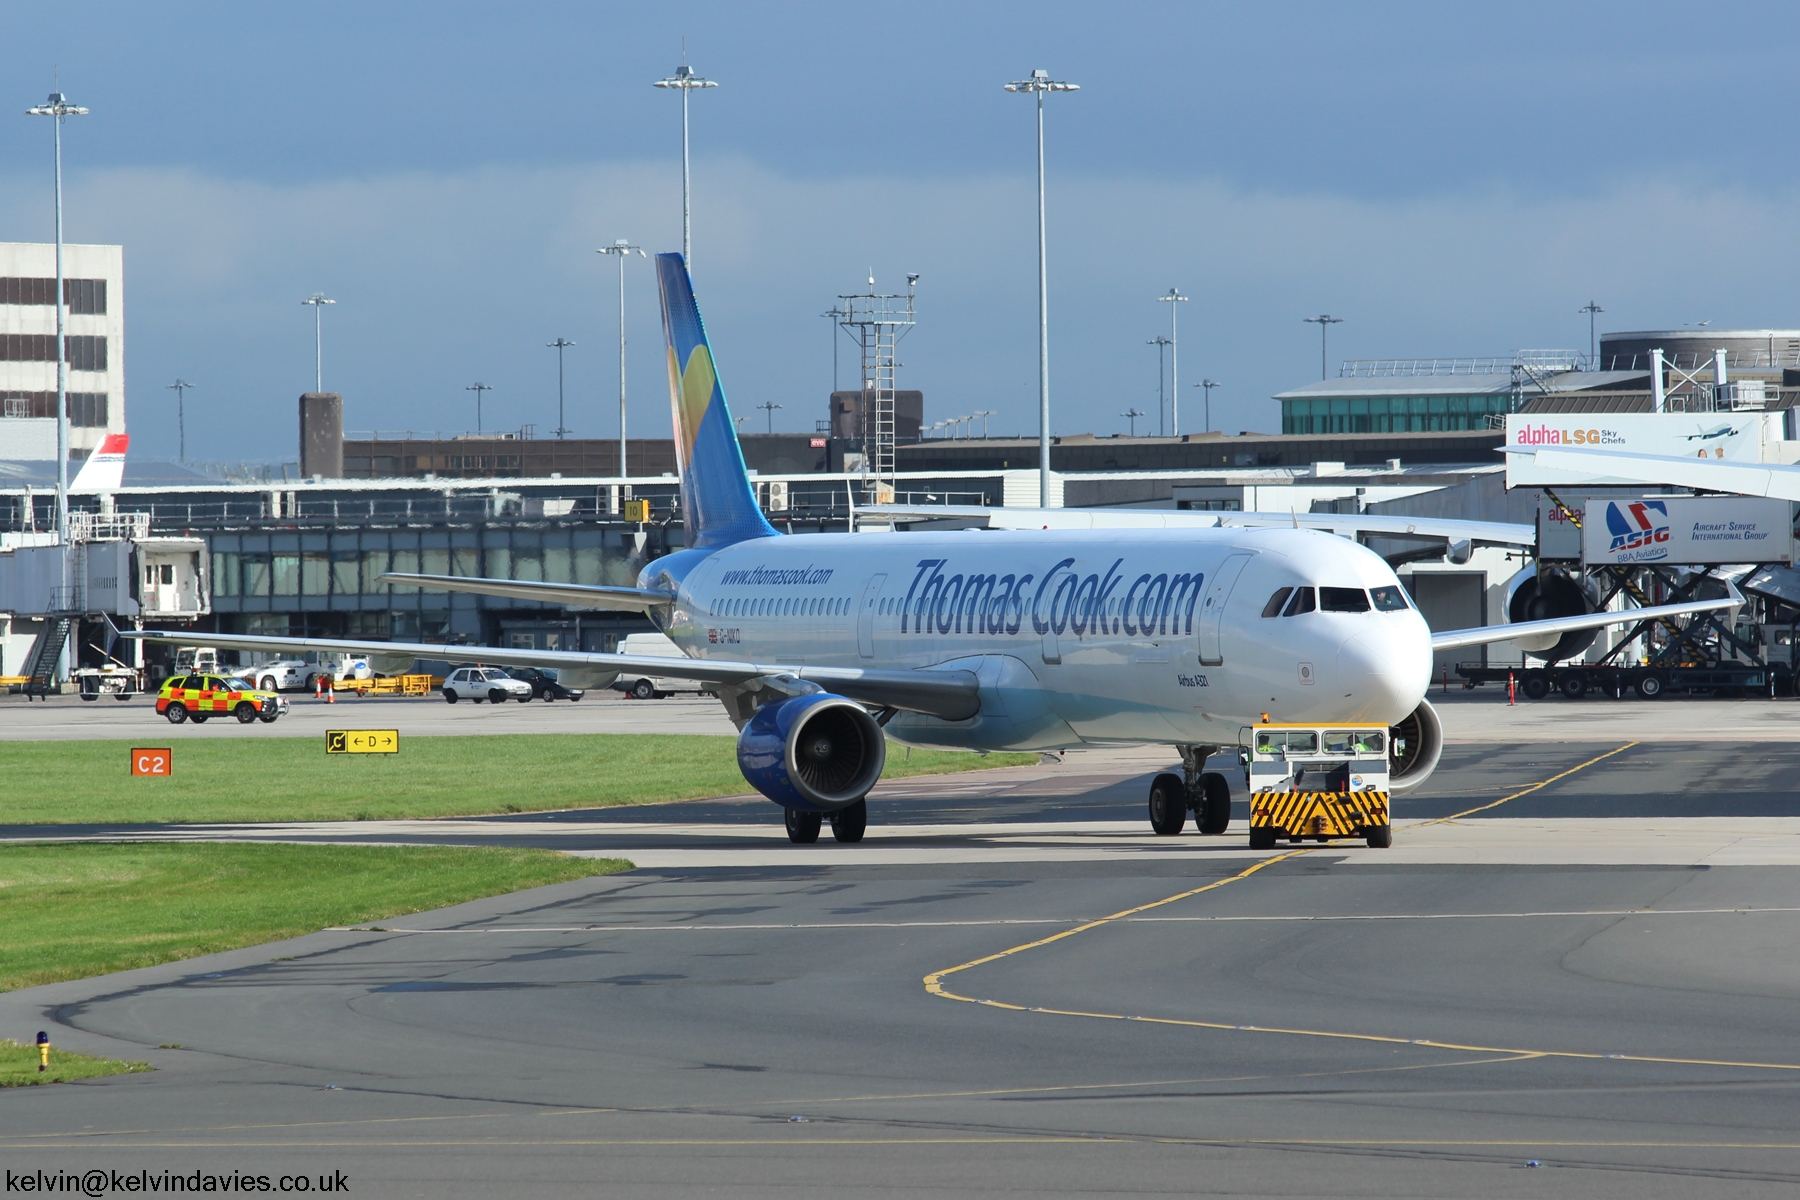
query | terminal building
[94, 334]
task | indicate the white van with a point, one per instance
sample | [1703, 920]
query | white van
[652, 687]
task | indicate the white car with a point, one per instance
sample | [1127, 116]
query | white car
[653, 687]
[484, 683]
[287, 674]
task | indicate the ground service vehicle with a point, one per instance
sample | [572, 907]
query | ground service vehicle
[652, 687]
[293, 674]
[115, 680]
[200, 697]
[1319, 781]
[484, 683]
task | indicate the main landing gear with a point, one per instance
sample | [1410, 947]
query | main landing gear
[1195, 790]
[847, 824]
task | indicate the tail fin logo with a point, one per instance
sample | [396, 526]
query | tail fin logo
[695, 392]
[104, 470]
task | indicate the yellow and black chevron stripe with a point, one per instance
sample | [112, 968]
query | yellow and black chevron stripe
[1319, 814]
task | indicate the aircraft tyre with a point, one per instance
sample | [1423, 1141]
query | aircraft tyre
[1573, 685]
[176, 713]
[849, 824]
[803, 827]
[1536, 686]
[1213, 814]
[1380, 837]
[1168, 805]
[1650, 685]
[1262, 837]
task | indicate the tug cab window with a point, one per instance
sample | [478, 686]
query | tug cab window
[1301, 603]
[1273, 607]
[1355, 742]
[1388, 599]
[1341, 599]
[1287, 741]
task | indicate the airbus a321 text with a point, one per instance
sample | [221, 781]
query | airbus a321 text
[824, 646]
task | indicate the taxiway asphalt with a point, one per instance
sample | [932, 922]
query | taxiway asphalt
[1017, 991]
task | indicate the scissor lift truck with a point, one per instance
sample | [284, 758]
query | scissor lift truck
[1319, 781]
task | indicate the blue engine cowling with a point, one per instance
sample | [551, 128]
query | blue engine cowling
[816, 753]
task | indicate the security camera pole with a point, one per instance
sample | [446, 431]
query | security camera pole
[1039, 83]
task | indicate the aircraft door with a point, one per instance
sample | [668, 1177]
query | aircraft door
[865, 616]
[1212, 607]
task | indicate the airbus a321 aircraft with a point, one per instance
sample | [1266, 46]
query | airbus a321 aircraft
[823, 646]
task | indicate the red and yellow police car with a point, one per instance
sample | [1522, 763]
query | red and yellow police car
[198, 697]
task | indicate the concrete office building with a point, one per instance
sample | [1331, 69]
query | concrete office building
[94, 326]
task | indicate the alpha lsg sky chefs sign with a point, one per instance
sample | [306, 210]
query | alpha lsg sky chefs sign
[1688, 529]
[1731, 436]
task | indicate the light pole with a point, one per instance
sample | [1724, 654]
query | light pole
[624, 249]
[180, 387]
[1040, 83]
[834, 314]
[1324, 321]
[1162, 401]
[318, 302]
[1209, 385]
[684, 80]
[478, 388]
[1172, 299]
[984, 414]
[58, 107]
[1590, 308]
[559, 345]
[1132, 414]
[769, 406]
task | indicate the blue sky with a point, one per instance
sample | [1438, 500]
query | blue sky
[1450, 179]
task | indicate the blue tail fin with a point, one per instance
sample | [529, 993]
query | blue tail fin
[716, 501]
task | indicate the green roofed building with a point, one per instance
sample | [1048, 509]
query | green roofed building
[1439, 395]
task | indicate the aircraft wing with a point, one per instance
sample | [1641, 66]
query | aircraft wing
[1774, 480]
[1344, 524]
[1524, 629]
[947, 694]
[575, 595]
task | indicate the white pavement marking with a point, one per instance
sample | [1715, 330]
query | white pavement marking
[1669, 841]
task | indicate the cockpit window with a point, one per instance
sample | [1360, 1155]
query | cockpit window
[1341, 599]
[1301, 603]
[1273, 607]
[1388, 599]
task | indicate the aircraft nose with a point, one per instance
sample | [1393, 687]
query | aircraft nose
[1386, 674]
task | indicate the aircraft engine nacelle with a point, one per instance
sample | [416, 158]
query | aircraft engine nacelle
[1534, 597]
[816, 753]
[1414, 746]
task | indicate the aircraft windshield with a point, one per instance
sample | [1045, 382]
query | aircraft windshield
[1388, 599]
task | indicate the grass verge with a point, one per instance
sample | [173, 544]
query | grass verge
[71, 911]
[19, 1065]
[293, 779]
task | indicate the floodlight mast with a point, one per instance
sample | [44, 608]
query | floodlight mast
[1040, 83]
[1172, 299]
[58, 107]
[318, 302]
[624, 249]
[1324, 321]
[180, 387]
[1590, 308]
[684, 80]
[562, 426]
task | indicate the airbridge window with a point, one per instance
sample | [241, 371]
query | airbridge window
[1273, 607]
[1389, 599]
[1301, 603]
[1343, 599]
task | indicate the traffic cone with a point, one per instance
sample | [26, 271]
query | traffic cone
[331, 693]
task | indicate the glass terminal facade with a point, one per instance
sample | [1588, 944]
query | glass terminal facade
[1390, 414]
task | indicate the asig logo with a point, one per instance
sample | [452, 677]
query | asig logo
[1639, 528]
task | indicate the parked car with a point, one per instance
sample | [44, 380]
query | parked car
[544, 684]
[290, 674]
[652, 687]
[484, 683]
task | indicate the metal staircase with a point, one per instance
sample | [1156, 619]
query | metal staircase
[40, 668]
